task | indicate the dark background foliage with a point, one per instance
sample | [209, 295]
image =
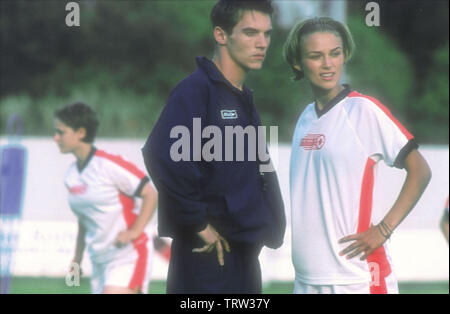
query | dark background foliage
[127, 55]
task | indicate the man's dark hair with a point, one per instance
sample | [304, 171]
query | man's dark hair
[79, 115]
[227, 13]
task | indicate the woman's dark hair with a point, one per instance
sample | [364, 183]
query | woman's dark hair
[227, 13]
[79, 115]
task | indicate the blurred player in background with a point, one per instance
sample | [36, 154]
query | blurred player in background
[219, 213]
[102, 193]
[337, 143]
[444, 221]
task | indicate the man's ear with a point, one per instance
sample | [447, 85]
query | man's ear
[220, 35]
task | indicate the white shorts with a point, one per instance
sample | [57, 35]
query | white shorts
[131, 271]
[388, 285]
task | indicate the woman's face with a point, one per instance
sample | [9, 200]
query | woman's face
[322, 60]
[66, 138]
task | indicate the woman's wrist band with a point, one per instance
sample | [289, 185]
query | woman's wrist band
[384, 230]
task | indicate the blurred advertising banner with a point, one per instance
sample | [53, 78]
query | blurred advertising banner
[13, 159]
[48, 229]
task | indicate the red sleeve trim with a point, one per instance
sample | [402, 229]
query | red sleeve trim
[118, 160]
[408, 135]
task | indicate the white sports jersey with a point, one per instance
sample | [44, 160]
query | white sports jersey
[102, 195]
[334, 155]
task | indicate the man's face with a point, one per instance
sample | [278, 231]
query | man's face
[248, 43]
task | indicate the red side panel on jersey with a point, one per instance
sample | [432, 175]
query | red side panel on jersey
[141, 264]
[378, 262]
[380, 269]
[408, 135]
[365, 202]
[127, 205]
[121, 162]
[140, 244]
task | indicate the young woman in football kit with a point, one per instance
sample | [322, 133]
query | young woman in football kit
[338, 141]
[103, 194]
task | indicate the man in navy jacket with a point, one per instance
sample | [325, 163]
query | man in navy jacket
[215, 200]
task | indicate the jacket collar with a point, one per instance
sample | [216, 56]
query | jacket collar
[215, 75]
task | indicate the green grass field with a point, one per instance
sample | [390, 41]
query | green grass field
[44, 285]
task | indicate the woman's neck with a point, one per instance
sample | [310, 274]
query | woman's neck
[323, 97]
[82, 152]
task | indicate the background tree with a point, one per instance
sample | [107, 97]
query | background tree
[127, 55]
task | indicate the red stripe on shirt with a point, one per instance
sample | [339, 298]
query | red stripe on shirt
[140, 244]
[377, 261]
[365, 201]
[127, 207]
[137, 280]
[118, 160]
[408, 135]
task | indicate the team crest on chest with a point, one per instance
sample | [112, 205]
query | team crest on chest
[313, 141]
[77, 189]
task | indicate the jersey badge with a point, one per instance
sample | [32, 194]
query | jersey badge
[78, 189]
[228, 114]
[313, 142]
